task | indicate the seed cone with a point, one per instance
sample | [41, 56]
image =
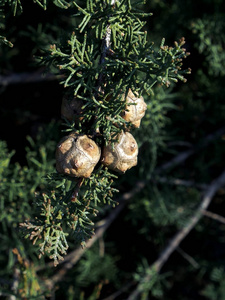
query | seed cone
[135, 109]
[122, 155]
[71, 108]
[77, 155]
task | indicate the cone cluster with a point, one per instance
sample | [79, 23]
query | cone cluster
[77, 154]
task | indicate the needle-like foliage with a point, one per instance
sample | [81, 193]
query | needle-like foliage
[106, 55]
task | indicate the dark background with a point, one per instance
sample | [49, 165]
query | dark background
[35, 100]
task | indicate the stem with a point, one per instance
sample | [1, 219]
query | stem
[105, 49]
[76, 190]
[214, 216]
[23, 78]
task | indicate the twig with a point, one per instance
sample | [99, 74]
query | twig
[177, 239]
[180, 143]
[190, 259]
[209, 194]
[18, 78]
[214, 216]
[119, 292]
[186, 154]
[105, 49]
[15, 285]
[76, 191]
[177, 181]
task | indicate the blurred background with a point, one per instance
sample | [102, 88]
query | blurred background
[184, 117]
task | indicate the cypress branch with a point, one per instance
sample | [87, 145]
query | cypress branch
[106, 56]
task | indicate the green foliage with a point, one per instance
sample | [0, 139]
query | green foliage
[98, 52]
[28, 283]
[60, 3]
[17, 186]
[151, 283]
[67, 209]
[5, 41]
[16, 8]
[216, 289]
[152, 137]
[166, 209]
[15, 5]
[88, 268]
[100, 74]
[130, 62]
[211, 45]
[19, 182]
